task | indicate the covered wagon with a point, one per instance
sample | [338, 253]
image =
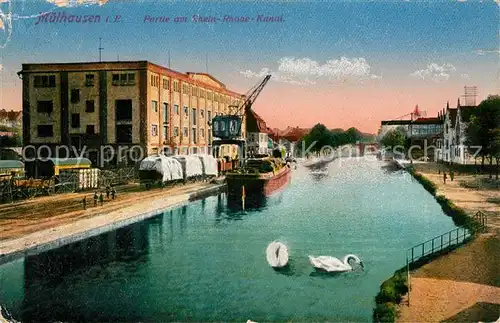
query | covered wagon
[209, 164]
[192, 167]
[160, 169]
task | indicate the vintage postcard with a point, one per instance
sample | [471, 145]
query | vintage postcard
[249, 161]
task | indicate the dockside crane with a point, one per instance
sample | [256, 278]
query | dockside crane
[228, 127]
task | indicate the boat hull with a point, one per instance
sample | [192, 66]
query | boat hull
[262, 185]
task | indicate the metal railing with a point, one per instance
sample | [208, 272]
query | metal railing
[437, 244]
[448, 241]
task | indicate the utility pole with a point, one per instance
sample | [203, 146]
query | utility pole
[100, 50]
[206, 62]
[169, 58]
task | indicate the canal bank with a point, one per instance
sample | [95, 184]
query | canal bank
[462, 285]
[97, 220]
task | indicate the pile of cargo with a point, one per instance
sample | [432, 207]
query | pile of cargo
[180, 168]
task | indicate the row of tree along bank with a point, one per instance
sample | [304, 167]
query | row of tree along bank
[320, 137]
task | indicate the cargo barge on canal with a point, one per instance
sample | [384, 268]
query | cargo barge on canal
[259, 177]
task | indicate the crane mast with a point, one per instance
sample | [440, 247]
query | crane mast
[254, 93]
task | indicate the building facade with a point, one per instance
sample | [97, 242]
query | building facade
[257, 134]
[123, 105]
[453, 147]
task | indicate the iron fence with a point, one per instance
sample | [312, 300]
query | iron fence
[446, 241]
[425, 251]
[20, 188]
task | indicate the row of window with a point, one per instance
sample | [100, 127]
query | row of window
[165, 111]
[124, 79]
[124, 109]
[44, 131]
[154, 132]
[47, 106]
[194, 91]
[50, 80]
[47, 131]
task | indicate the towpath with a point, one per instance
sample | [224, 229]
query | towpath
[464, 285]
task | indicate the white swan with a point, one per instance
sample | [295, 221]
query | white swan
[277, 254]
[332, 264]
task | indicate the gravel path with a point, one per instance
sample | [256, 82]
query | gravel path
[464, 285]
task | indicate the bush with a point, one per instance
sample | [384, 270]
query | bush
[386, 312]
[391, 293]
[427, 184]
[459, 217]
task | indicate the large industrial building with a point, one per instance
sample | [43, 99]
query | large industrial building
[121, 105]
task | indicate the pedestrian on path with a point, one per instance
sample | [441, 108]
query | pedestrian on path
[452, 175]
[107, 192]
[444, 177]
[84, 202]
[113, 193]
[95, 198]
[101, 199]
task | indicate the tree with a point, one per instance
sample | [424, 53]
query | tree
[11, 141]
[321, 137]
[496, 149]
[483, 130]
[394, 137]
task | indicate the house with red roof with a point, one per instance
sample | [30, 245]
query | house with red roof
[11, 119]
[257, 134]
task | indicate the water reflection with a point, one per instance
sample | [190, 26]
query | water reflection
[252, 202]
[319, 173]
[288, 270]
[46, 273]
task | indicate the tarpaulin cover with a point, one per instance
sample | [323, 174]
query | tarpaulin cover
[175, 168]
[169, 168]
[191, 165]
[209, 164]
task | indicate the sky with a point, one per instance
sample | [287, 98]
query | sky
[346, 63]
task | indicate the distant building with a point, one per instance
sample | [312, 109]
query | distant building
[11, 119]
[257, 134]
[289, 137]
[453, 144]
[121, 104]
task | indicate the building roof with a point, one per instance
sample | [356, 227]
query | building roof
[295, 134]
[430, 120]
[261, 124]
[6, 164]
[123, 66]
[395, 122]
[190, 74]
[11, 115]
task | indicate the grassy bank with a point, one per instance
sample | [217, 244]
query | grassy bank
[393, 289]
[459, 216]
[390, 295]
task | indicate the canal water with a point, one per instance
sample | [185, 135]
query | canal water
[206, 261]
